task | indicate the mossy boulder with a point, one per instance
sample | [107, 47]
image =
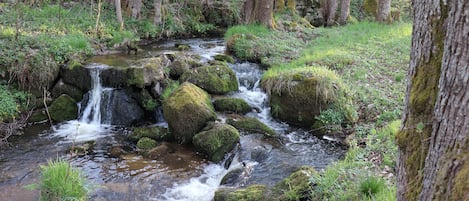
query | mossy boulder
[298, 96]
[146, 143]
[63, 108]
[296, 185]
[38, 116]
[234, 105]
[224, 57]
[250, 193]
[215, 79]
[249, 124]
[187, 110]
[77, 76]
[182, 63]
[155, 133]
[62, 88]
[217, 141]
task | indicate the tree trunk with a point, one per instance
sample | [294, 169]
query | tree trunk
[344, 11]
[446, 172]
[119, 14]
[384, 7]
[279, 5]
[259, 11]
[433, 143]
[135, 7]
[291, 4]
[331, 11]
[98, 17]
[157, 5]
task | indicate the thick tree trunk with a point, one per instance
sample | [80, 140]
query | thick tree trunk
[279, 5]
[422, 89]
[259, 11]
[344, 11]
[331, 11]
[384, 8]
[446, 172]
[291, 4]
[158, 19]
[119, 14]
[135, 7]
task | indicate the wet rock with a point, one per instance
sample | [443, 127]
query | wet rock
[234, 105]
[182, 47]
[63, 88]
[251, 193]
[38, 116]
[156, 133]
[146, 143]
[224, 57]
[116, 151]
[260, 154]
[250, 124]
[296, 184]
[232, 178]
[187, 110]
[298, 97]
[216, 142]
[118, 108]
[161, 150]
[63, 108]
[82, 149]
[215, 79]
[77, 76]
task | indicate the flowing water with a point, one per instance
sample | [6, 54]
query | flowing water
[179, 175]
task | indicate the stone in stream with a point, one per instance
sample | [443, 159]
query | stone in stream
[63, 108]
[235, 105]
[215, 79]
[250, 193]
[216, 141]
[156, 133]
[187, 110]
[250, 124]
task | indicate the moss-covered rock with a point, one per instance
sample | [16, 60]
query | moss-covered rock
[235, 105]
[217, 141]
[250, 193]
[182, 47]
[298, 96]
[146, 143]
[224, 57]
[156, 133]
[182, 63]
[63, 108]
[38, 116]
[250, 124]
[62, 88]
[187, 110]
[215, 79]
[296, 186]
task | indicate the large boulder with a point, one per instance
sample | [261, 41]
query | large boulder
[234, 105]
[250, 193]
[187, 110]
[217, 141]
[215, 79]
[63, 108]
[298, 96]
[77, 76]
[62, 88]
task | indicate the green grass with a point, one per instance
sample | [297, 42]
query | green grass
[61, 181]
[11, 102]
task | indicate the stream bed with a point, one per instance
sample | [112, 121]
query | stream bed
[179, 175]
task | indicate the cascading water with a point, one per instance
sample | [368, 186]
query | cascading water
[90, 123]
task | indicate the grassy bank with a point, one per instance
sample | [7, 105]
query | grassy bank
[372, 59]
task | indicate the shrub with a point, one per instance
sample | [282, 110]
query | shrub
[61, 181]
[371, 186]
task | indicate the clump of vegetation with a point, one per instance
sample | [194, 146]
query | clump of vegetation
[371, 186]
[61, 181]
[169, 90]
[146, 143]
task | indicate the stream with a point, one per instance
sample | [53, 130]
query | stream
[180, 175]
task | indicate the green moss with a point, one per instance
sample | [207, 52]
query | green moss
[235, 105]
[461, 182]
[38, 116]
[216, 142]
[224, 57]
[296, 186]
[63, 108]
[250, 124]
[370, 7]
[215, 79]
[146, 143]
[156, 133]
[135, 77]
[250, 193]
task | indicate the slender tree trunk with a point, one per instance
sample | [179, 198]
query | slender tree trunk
[446, 172]
[98, 16]
[344, 11]
[384, 8]
[332, 10]
[158, 18]
[119, 14]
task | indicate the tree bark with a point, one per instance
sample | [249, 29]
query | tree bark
[433, 142]
[344, 11]
[446, 172]
[331, 11]
[279, 5]
[119, 14]
[384, 8]
[135, 7]
[158, 19]
[291, 4]
[259, 11]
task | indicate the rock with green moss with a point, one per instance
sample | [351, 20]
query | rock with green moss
[215, 79]
[298, 96]
[217, 141]
[182, 47]
[38, 116]
[249, 124]
[224, 57]
[187, 110]
[156, 133]
[234, 105]
[146, 143]
[250, 193]
[62, 88]
[63, 108]
[296, 186]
